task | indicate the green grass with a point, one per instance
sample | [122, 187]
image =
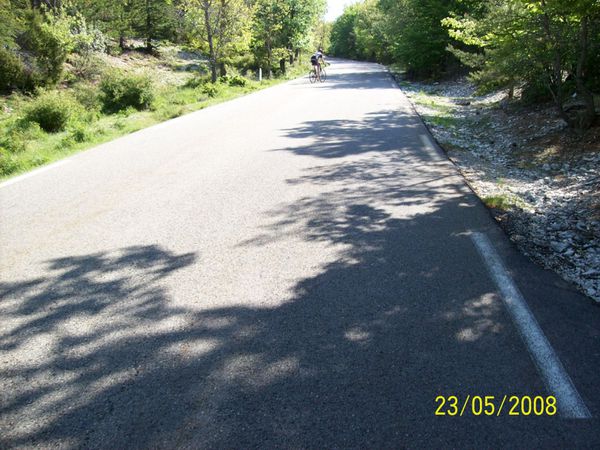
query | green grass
[503, 202]
[442, 120]
[24, 146]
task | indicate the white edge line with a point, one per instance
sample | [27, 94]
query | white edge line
[429, 146]
[32, 173]
[557, 380]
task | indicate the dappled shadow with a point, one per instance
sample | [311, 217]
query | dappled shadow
[381, 132]
[336, 364]
[102, 354]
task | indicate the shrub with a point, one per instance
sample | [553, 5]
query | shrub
[197, 81]
[78, 132]
[87, 66]
[12, 69]
[535, 92]
[234, 80]
[8, 163]
[51, 111]
[86, 38]
[121, 90]
[16, 134]
[51, 42]
[210, 89]
[88, 95]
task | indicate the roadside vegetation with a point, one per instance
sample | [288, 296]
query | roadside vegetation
[77, 73]
[538, 51]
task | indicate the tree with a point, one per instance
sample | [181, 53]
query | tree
[301, 18]
[221, 28]
[282, 28]
[343, 35]
[269, 43]
[360, 33]
[544, 43]
[321, 35]
[416, 36]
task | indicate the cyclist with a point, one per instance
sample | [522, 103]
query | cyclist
[316, 59]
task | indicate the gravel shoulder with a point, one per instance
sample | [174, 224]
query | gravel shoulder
[539, 179]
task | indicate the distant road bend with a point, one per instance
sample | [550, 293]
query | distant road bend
[301, 267]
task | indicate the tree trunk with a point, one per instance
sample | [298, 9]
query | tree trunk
[269, 61]
[587, 117]
[148, 28]
[213, 71]
[556, 83]
[211, 46]
[282, 66]
[222, 69]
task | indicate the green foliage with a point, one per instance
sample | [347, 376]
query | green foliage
[547, 47]
[359, 33]
[503, 202]
[85, 39]
[219, 28]
[211, 89]
[13, 73]
[280, 29]
[121, 90]
[50, 40]
[405, 32]
[343, 36]
[79, 132]
[51, 111]
[11, 21]
[87, 66]
[233, 80]
[8, 162]
[88, 95]
[197, 81]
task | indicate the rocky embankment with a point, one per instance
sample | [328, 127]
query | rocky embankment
[540, 179]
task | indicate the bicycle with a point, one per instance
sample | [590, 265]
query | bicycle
[312, 75]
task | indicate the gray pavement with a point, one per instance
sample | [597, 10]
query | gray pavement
[291, 269]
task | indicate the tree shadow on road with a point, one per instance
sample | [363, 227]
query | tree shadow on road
[379, 132]
[99, 354]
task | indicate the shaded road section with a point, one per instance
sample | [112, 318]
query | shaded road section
[290, 269]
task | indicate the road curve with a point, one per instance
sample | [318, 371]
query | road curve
[294, 268]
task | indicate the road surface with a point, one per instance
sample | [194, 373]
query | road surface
[298, 268]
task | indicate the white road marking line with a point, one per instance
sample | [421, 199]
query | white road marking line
[32, 173]
[429, 146]
[557, 380]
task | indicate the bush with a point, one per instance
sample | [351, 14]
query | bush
[13, 73]
[78, 132]
[87, 66]
[8, 163]
[16, 134]
[51, 43]
[210, 89]
[88, 95]
[121, 90]
[234, 80]
[197, 81]
[14, 141]
[51, 111]
[12, 69]
[535, 92]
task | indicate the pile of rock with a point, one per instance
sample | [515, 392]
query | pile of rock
[526, 156]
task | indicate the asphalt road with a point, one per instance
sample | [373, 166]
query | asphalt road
[292, 269]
